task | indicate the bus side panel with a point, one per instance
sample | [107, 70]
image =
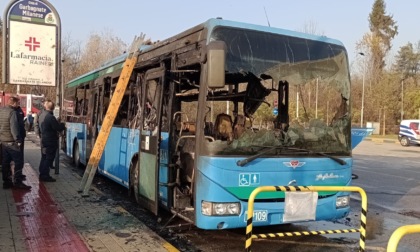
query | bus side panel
[76, 131]
[122, 145]
[164, 169]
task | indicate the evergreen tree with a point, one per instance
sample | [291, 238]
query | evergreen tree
[383, 29]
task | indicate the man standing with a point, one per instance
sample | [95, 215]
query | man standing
[11, 139]
[37, 124]
[21, 121]
[22, 132]
[50, 128]
[30, 121]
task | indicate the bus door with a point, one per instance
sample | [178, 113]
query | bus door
[92, 120]
[152, 88]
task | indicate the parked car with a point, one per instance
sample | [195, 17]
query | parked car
[409, 132]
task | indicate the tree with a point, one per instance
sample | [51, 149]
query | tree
[407, 62]
[311, 28]
[100, 48]
[384, 28]
[70, 56]
[377, 44]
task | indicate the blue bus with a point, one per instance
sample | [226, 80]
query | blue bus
[216, 111]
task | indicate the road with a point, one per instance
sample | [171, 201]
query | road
[390, 175]
[388, 172]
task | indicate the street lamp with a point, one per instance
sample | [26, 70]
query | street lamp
[363, 92]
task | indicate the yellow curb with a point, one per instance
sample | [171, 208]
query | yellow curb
[169, 247]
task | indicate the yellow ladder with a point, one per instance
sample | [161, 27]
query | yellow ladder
[111, 113]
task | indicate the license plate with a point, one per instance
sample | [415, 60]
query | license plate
[259, 216]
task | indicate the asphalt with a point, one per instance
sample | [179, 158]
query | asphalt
[53, 216]
[382, 140]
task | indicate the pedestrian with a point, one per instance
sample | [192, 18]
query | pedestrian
[22, 133]
[37, 123]
[30, 121]
[36, 120]
[11, 139]
[50, 129]
[21, 122]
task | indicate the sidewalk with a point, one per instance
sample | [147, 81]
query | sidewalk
[54, 217]
[382, 140]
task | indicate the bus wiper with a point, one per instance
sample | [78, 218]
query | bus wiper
[252, 158]
[338, 160]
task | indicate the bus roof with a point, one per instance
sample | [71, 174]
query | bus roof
[214, 22]
[211, 24]
[108, 67]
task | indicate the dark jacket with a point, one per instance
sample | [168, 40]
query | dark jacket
[37, 122]
[50, 128]
[9, 126]
[30, 118]
[21, 123]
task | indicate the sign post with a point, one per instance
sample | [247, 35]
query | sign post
[31, 46]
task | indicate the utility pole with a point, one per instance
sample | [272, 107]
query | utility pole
[363, 91]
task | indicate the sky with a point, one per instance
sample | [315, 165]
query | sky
[345, 20]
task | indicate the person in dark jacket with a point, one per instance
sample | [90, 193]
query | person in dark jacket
[50, 129]
[22, 132]
[29, 121]
[36, 121]
[11, 140]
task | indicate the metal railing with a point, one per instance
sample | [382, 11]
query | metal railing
[398, 234]
[362, 229]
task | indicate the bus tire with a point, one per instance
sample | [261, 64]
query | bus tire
[405, 141]
[76, 154]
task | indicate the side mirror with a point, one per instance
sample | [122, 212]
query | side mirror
[216, 59]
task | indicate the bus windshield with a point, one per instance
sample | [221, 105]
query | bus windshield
[281, 91]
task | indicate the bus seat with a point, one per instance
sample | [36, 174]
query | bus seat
[223, 127]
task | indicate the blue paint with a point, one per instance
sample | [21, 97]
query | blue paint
[358, 134]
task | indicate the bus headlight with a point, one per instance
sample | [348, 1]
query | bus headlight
[220, 209]
[342, 201]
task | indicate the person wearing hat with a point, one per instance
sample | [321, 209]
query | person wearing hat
[11, 139]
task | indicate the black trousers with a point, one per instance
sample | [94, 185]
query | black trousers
[47, 160]
[12, 152]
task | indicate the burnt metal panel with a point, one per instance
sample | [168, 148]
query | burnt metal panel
[193, 37]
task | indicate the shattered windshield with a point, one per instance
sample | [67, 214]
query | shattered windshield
[280, 91]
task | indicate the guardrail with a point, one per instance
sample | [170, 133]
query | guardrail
[362, 229]
[398, 234]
